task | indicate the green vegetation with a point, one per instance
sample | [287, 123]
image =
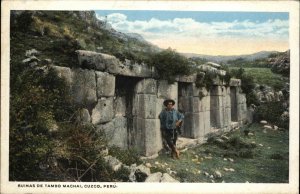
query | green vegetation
[169, 64]
[264, 76]
[259, 158]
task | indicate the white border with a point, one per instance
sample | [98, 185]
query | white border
[275, 6]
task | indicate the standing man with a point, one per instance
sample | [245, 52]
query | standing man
[170, 120]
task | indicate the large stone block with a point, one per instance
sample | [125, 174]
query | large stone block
[145, 106]
[166, 90]
[207, 122]
[146, 86]
[116, 132]
[187, 78]
[216, 91]
[84, 87]
[105, 84]
[159, 106]
[103, 111]
[130, 69]
[146, 135]
[65, 73]
[235, 82]
[96, 61]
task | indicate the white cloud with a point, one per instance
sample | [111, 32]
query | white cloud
[157, 30]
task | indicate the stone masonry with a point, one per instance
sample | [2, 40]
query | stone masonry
[124, 99]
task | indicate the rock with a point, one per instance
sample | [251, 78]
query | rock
[104, 152]
[144, 169]
[231, 169]
[31, 61]
[230, 159]
[103, 111]
[211, 176]
[132, 170]
[166, 178]
[208, 157]
[31, 52]
[46, 61]
[96, 61]
[84, 87]
[225, 159]
[206, 173]
[105, 84]
[275, 127]
[148, 165]
[250, 134]
[64, 73]
[155, 177]
[226, 169]
[261, 145]
[218, 174]
[84, 116]
[113, 162]
[263, 122]
[267, 127]
[146, 86]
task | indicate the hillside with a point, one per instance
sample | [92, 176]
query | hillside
[57, 34]
[224, 59]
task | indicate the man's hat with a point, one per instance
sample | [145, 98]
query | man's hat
[166, 102]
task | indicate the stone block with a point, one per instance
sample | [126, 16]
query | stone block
[103, 111]
[166, 90]
[207, 122]
[120, 106]
[65, 73]
[146, 86]
[84, 87]
[146, 135]
[201, 124]
[96, 61]
[145, 106]
[216, 91]
[105, 84]
[130, 69]
[235, 82]
[116, 132]
[159, 106]
[187, 78]
[217, 117]
[83, 116]
[159, 135]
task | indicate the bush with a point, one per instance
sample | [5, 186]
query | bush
[128, 157]
[169, 64]
[272, 111]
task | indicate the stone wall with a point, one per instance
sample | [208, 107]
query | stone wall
[124, 99]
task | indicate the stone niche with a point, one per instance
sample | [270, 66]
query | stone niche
[124, 100]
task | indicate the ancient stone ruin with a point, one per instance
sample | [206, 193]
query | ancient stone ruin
[124, 99]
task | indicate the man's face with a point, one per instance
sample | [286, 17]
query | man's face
[169, 105]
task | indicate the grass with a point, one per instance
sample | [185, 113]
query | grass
[264, 76]
[269, 162]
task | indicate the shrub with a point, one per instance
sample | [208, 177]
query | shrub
[128, 157]
[169, 63]
[272, 111]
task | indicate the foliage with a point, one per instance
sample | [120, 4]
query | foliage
[206, 80]
[128, 157]
[169, 63]
[248, 84]
[272, 111]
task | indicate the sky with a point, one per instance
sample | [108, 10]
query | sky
[205, 32]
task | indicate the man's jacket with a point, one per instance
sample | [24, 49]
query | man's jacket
[168, 119]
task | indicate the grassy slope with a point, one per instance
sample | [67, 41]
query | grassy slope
[264, 76]
[259, 169]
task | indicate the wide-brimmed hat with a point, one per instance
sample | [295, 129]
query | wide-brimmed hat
[166, 102]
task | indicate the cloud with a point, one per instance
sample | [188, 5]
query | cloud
[189, 30]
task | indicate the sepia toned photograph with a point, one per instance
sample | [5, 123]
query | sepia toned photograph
[114, 97]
